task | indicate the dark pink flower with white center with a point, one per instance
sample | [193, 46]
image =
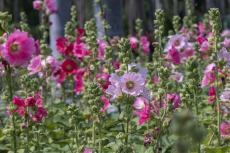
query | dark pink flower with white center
[176, 41]
[132, 83]
[35, 65]
[212, 95]
[87, 150]
[225, 129]
[145, 44]
[204, 46]
[37, 5]
[19, 48]
[105, 104]
[103, 80]
[133, 41]
[51, 6]
[174, 56]
[101, 49]
[80, 50]
[175, 99]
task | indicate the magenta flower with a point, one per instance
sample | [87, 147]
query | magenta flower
[204, 46]
[174, 56]
[105, 102]
[58, 75]
[176, 41]
[19, 48]
[142, 110]
[51, 6]
[64, 46]
[145, 44]
[80, 50]
[87, 150]
[37, 4]
[101, 49]
[103, 79]
[35, 65]
[133, 42]
[212, 95]
[225, 129]
[175, 99]
[79, 83]
[209, 75]
[201, 28]
[132, 83]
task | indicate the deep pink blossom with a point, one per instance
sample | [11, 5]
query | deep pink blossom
[69, 66]
[79, 83]
[175, 99]
[225, 129]
[19, 48]
[133, 42]
[51, 6]
[80, 50]
[58, 75]
[105, 104]
[39, 114]
[103, 79]
[211, 94]
[174, 56]
[37, 4]
[145, 44]
[144, 113]
[101, 49]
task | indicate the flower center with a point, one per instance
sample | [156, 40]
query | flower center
[14, 48]
[177, 43]
[130, 85]
[69, 67]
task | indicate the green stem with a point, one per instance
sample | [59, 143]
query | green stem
[94, 134]
[77, 138]
[9, 82]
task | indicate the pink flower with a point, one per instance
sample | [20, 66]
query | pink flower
[114, 89]
[52, 62]
[103, 80]
[87, 150]
[155, 79]
[79, 83]
[212, 95]
[30, 101]
[145, 44]
[143, 111]
[226, 42]
[80, 32]
[176, 41]
[101, 49]
[35, 65]
[51, 6]
[176, 76]
[201, 39]
[80, 50]
[19, 48]
[58, 75]
[204, 46]
[225, 129]
[208, 79]
[133, 42]
[105, 102]
[18, 102]
[201, 27]
[40, 114]
[175, 99]
[69, 66]
[37, 5]
[174, 56]
[226, 33]
[64, 46]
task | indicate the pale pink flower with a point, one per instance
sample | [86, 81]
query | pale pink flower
[226, 42]
[87, 150]
[176, 41]
[201, 28]
[145, 44]
[133, 42]
[114, 89]
[209, 75]
[19, 48]
[226, 33]
[139, 103]
[37, 4]
[35, 65]
[51, 6]
[204, 46]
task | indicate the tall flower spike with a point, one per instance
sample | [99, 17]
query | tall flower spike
[189, 19]
[71, 25]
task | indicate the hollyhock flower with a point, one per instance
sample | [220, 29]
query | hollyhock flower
[201, 27]
[208, 79]
[224, 54]
[176, 41]
[18, 102]
[103, 80]
[51, 61]
[226, 42]
[137, 68]
[19, 48]
[37, 4]
[225, 129]
[143, 114]
[58, 75]
[79, 83]
[139, 103]
[80, 50]
[30, 101]
[39, 115]
[80, 32]
[87, 150]
[210, 68]
[133, 42]
[225, 95]
[51, 6]
[187, 52]
[175, 99]
[114, 89]
[212, 95]
[176, 76]
[38, 100]
[101, 49]
[35, 65]
[204, 46]
[69, 66]
[64, 46]
[174, 56]
[226, 33]
[201, 39]
[105, 102]
[132, 83]
[116, 65]
[145, 44]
